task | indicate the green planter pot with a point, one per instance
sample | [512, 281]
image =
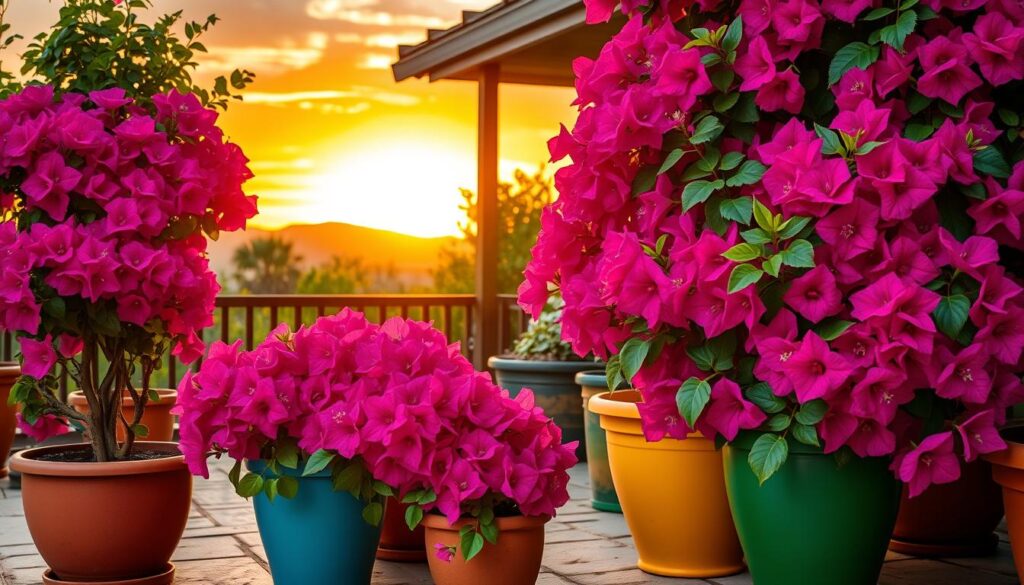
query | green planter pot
[602, 490]
[813, 522]
[554, 385]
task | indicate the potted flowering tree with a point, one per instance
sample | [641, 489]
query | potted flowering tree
[542, 361]
[336, 417]
[111, 178]
[805, 239]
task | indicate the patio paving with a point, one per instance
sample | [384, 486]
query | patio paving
[584, 547]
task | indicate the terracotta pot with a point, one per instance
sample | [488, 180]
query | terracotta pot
[9, 373]
[554, 387]
[397, 542]
[1008, 471]
[662, 484]
[514, 560]
[951, 520]
[157, 418]
[105, 521]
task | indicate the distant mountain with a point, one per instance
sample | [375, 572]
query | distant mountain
[413, 257]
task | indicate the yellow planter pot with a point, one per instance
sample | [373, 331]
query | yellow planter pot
[672, 494]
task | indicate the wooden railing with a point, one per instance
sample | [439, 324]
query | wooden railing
[251, 317]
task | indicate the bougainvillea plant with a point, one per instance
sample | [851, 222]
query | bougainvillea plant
[107, 196]
[800, 217]
[388, 409]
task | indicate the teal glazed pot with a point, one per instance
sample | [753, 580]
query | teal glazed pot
[554, 385]
[813, 522]
[602, 490]
[317, 538]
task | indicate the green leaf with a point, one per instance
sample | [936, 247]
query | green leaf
[287, 486]
[287, 454]
[793, 226]
[878, 13]
[773, 265]
[373, 512]
[918, 132]
[779, 422]
[867, 147]
[645, 180]
[761, 394]
[749, 173]
[951, 313]
[691, 399]
[236, 470]
[632, 356]
[917, 103]
[490, 531]
[743, 252]
[707, 130]
[743, 276]
[318, 462]
[731, 160]
[725, 101]
[141, 431]
[1009, 117]
[812, 412]
[763, 217]
[831, 329]
[856, 54]
[990, 161]
[382, 489]
[349, 479]
[413, 517]
[698, 192]
[806, 435]
[250, 485]
[472, 543]
[830, 143]
[799, 254]
[756, 236]
[733, 35]
[270, 488]
[722, 79]
[767, 455]
[740, 209]
[702, 357]
[894, 35]
[670, 161]
[613, 372]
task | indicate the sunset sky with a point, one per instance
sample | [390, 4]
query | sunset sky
[331, 136]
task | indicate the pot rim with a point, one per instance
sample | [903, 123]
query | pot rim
[1013, 455]
[512, 364]
[620, 403]
[167, 396]
[26, 463]
[505, 523]
[10, 369]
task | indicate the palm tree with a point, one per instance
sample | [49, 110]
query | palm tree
[267, 265]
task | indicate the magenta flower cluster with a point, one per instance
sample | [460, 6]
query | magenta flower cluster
[730, 220]
[397, 396]
[106, 204]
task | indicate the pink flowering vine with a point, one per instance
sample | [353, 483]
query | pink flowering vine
[774, 221]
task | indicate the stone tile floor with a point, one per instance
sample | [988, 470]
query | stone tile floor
[584, 547]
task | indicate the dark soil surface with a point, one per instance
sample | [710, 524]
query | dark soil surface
[86, 456]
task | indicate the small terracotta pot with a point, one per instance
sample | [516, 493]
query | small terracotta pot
[514, 560]
[1008, 471]
[659, 485]
[951, 520]
[9, 373]
[97, 522]
[157, 418]
[397, 542]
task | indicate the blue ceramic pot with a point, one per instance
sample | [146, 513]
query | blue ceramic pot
[317, 538]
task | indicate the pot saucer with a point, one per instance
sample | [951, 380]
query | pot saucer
[981, 548]
[402, 555]
[164, 578]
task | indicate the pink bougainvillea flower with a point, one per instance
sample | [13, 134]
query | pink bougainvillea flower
[756, 67]
[815, 295]
[964, 376]
[39, 357]
[851, 229]
[872, 438]
[879, 394]
[980, 435]
[948, 74]
[49, 183]
[1002, 335]
[783, 92]
[682, 76]
[845, 10]
[815, 370]
[995, 45]
[729, 411]
[45, 427]
[931, 462]
[1002, 210]
[972, 255]
[444, 552]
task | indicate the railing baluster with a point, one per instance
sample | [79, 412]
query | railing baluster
[172, 371]
[273, 317]
[425, 314]
[225, 324]
[248, 328]
[447, 320]
[298, 318]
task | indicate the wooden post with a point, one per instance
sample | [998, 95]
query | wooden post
[485, 334]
